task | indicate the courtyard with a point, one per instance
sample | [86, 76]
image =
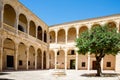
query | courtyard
[48, 75]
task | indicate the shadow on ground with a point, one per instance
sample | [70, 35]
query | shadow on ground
[4, 73]
[103, 75]
[5, 79]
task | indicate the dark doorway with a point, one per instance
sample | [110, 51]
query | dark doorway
[10, 61]
[72, 64]
[94, 65]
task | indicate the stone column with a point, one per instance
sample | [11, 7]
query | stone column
[28, 26]
[43, 35]
[117, 25]
[17, 22]
[102, 64]
[66, 36]
[35, 58]
[77, 31]
[42, 59]
[36, 32]
[56, 34]
[16, 56]
[76, 66]
[65, 59]
[1, 14]
[88, 61]
[27, 58]
[1, 55]
[55, 59]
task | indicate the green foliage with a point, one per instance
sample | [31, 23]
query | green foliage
[99, 40]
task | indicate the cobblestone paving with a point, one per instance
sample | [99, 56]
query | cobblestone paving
[48, 75]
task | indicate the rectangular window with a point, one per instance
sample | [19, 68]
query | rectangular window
[108, 64]
[58, 53]
[72, 52]
[20, 62]
[83, 64]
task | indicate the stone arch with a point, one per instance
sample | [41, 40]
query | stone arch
[44, 60]
[22, 26]
[31, 62]
[52, 59]
[9, 16]
[111, 24]
[95, 25]
[39, 32]
[32, 29]
[22, 56]
[39, 59]
[82, 29]
[8, 54]
[45, 36]
[71, 34]
[60, 59]
[61, 36]
[52, 36]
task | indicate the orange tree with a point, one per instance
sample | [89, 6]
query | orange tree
[99, 41]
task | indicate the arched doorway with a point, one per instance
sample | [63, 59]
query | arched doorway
[9, 15]
[32, 29]
[31, 62]
[71, 34]
[22, 56]
[61, 36]
[82, 29]
[8, 54]
[52, 37]
[39, 33]
[52, 59]
[22, 23]
[39, 59]
[45, 36]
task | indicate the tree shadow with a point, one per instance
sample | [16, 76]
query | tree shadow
[103, 75]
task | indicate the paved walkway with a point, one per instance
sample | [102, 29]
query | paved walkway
[47, 75]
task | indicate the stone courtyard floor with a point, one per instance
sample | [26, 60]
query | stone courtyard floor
[48, 75]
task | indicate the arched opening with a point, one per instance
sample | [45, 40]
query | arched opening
[95, 25]
[22, 56]
[52, 59]
[8, 54]
[39, 33]
[52, 37]
[9, 15]
[22, 23]
[45, 36]
[31, 62]
[82, 29]
[71, 59]
[44, 60]
[39, 59]
[111, 24]
[61, 36]
[60, 59]
[32, 29]
[71, 34]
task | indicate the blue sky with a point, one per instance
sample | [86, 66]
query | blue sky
[60, 11]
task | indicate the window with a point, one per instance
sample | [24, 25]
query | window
[29, 63]
[108, 64]
[83, 64]
[58, 53]
[20, 28]
[20, 62]
[72, 52]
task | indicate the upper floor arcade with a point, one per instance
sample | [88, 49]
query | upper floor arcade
[67, 33]
[17, 19]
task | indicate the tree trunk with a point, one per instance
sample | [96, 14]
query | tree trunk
[98, 66]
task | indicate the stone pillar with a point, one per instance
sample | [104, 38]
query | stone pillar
[1, 55]
[43, 35]
[1, 14]
[36, 32]
[66, 36]
[17, 22]
[102, 64]
[77, 31]
[56, 34]
[117, 63]
[35, 58]
[117, 25]
[28, 27]
[88, 61]
[55, 59]
[27, 58]
[42, 59]
[16, 56]
[76, 66]
[65, 59]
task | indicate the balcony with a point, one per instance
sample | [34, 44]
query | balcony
[21, 34]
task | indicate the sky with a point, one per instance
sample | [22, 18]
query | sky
[60, 11]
